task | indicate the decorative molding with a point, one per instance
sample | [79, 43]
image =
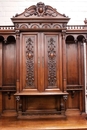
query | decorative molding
[30, 62]
[39, 26]
[40, 10]
[76, 87]
[52, 62]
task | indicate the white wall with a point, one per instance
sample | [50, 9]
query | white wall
[75, 9]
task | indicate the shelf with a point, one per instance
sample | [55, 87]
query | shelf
[40, 93]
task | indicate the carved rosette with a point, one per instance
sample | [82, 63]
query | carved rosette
[30, 62]
[51, 63]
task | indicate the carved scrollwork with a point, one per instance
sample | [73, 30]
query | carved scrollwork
[30, 62]
[40, 10]
[51, 62]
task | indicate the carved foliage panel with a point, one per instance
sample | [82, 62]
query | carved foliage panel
[51, 61]
[30, 62]
[30, 56]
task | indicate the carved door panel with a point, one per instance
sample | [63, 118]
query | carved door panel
[51, 65]
[28, 62]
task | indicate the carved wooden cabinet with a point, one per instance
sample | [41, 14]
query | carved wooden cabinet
[41, 64]
[41, 75]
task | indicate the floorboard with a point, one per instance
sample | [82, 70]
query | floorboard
[72, 122]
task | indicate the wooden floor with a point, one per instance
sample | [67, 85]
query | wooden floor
[72, 122]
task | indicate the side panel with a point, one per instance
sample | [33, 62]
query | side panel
[74, 64]
[9, 65]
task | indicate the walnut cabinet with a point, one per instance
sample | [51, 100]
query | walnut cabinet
[41, 65]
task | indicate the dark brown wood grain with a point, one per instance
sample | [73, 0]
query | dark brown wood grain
[9, 65]
[43, 65]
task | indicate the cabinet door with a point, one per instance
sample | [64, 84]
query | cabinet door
[39, 61]
[51, 59]
[48, 55]
[28, 62]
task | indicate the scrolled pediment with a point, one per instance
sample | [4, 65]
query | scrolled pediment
[40, 10]
[40, 14]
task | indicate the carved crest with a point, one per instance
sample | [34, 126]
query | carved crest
[40, 10]
[39, 14]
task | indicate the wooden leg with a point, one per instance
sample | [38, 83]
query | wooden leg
[62, 107]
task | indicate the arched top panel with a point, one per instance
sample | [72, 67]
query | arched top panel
[46, 26]
[24, 26]
[35, 26]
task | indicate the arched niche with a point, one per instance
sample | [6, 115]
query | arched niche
[11, 39]
[9, 62]
[1, 39]
[70, 39]
[80, 38]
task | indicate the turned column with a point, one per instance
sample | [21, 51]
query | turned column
[85, 80]
[17, 60]
[0, 76]
[64, 59]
